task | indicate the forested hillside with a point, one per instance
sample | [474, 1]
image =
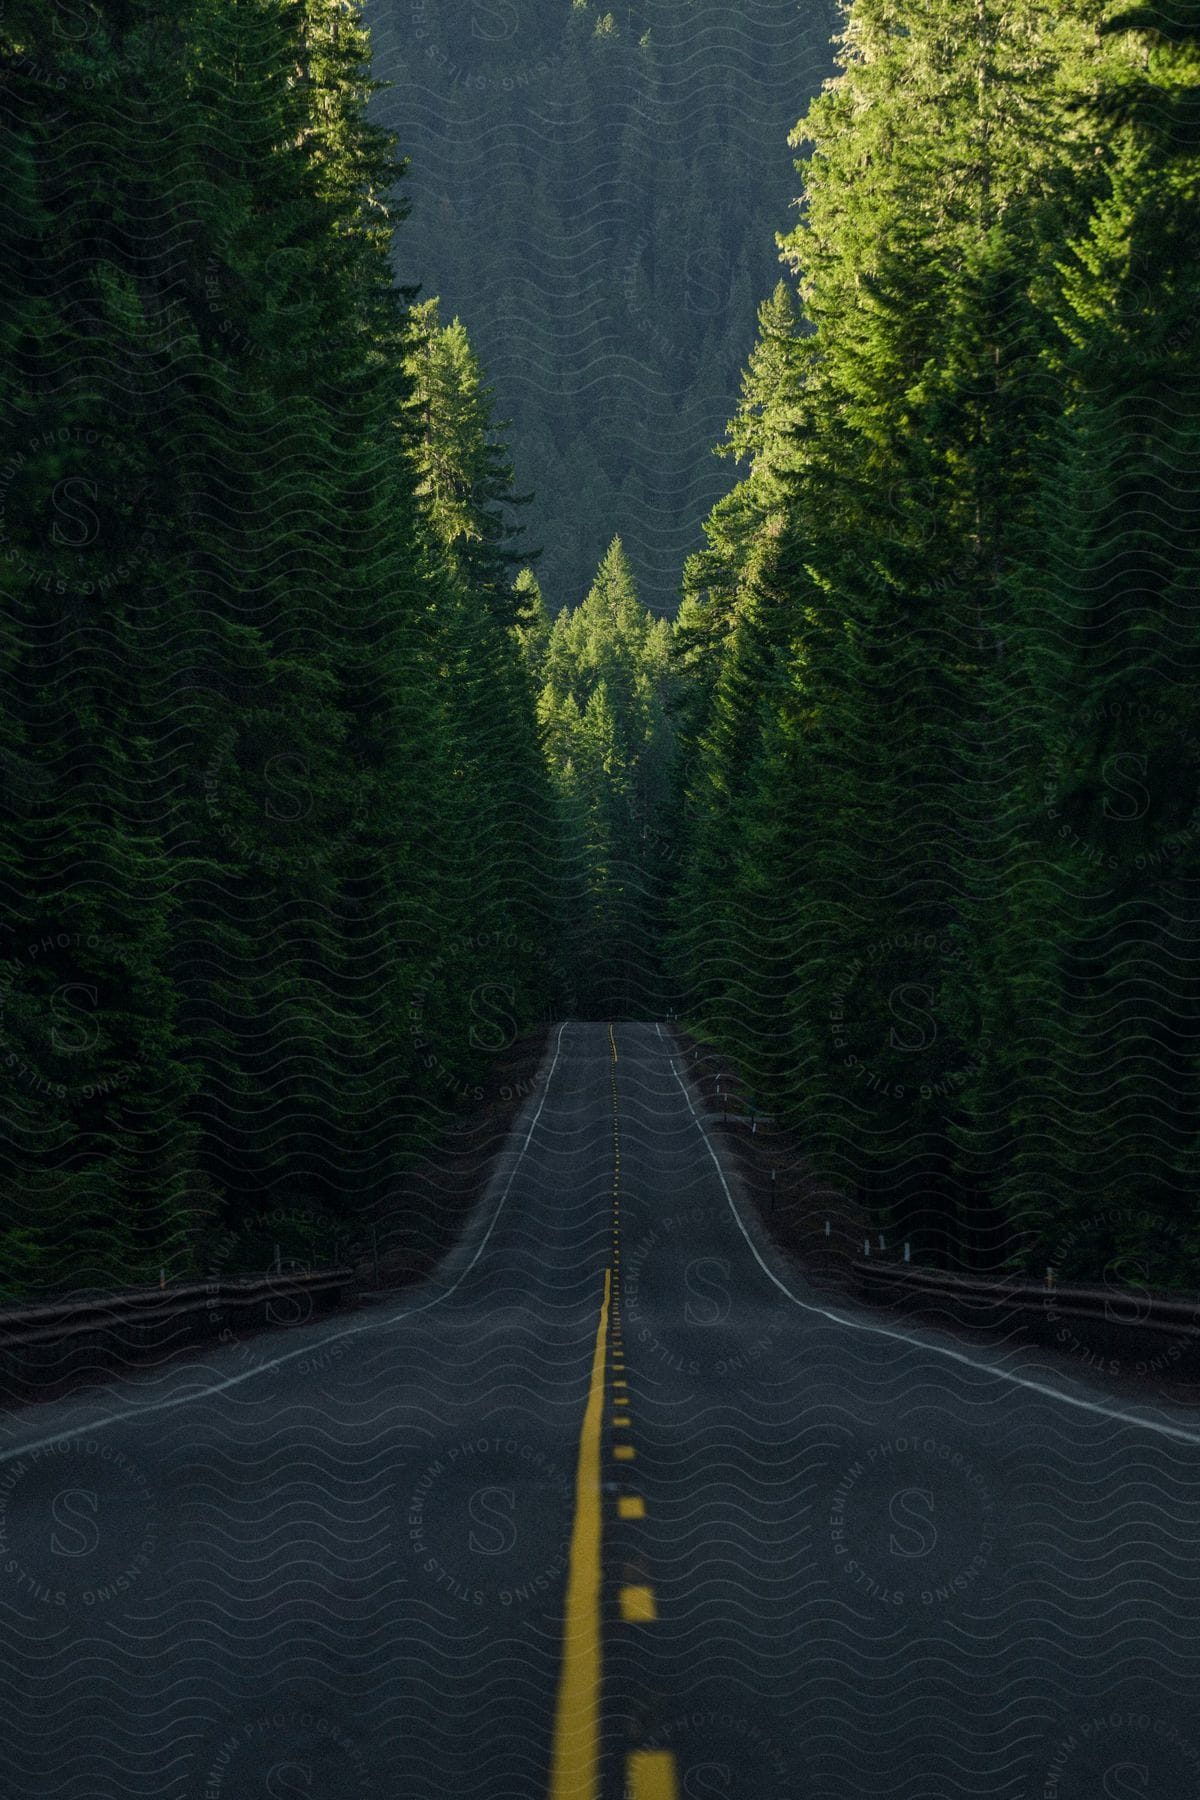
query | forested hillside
[941, 793]
[596, 190]
[312, 770]
[276, 821]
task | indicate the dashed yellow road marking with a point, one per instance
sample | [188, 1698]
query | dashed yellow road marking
[651, 1775]
[575, 1761]
[637, 1605]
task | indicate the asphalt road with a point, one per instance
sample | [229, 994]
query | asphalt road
[614, 1506]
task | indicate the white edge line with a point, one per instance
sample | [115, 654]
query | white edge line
[1178, 1432]
[278, 1362]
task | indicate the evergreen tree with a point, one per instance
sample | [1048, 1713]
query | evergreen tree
[854, 738]
[1092, 993]
[609, 279]
[605, 677]
[256, 702]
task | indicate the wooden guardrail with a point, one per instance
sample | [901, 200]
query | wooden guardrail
[50, 1343]
[1122, 1324]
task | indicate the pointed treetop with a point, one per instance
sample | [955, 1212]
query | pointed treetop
[614, 585]
[769, 382]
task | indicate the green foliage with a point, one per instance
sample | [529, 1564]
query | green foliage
[599, 185]
[603, 673]
[311, 801]
[277, 831]
[937, 783]
[464, 476]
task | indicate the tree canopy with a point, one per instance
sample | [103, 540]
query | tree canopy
[319, 781]
[938, 791]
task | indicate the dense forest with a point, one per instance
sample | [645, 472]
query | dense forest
[941, 800]
[605, 689]
[595, 191]
[310, 760]
[275, 805]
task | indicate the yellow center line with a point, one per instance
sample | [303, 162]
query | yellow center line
[649, 1774]
[575, 1760]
